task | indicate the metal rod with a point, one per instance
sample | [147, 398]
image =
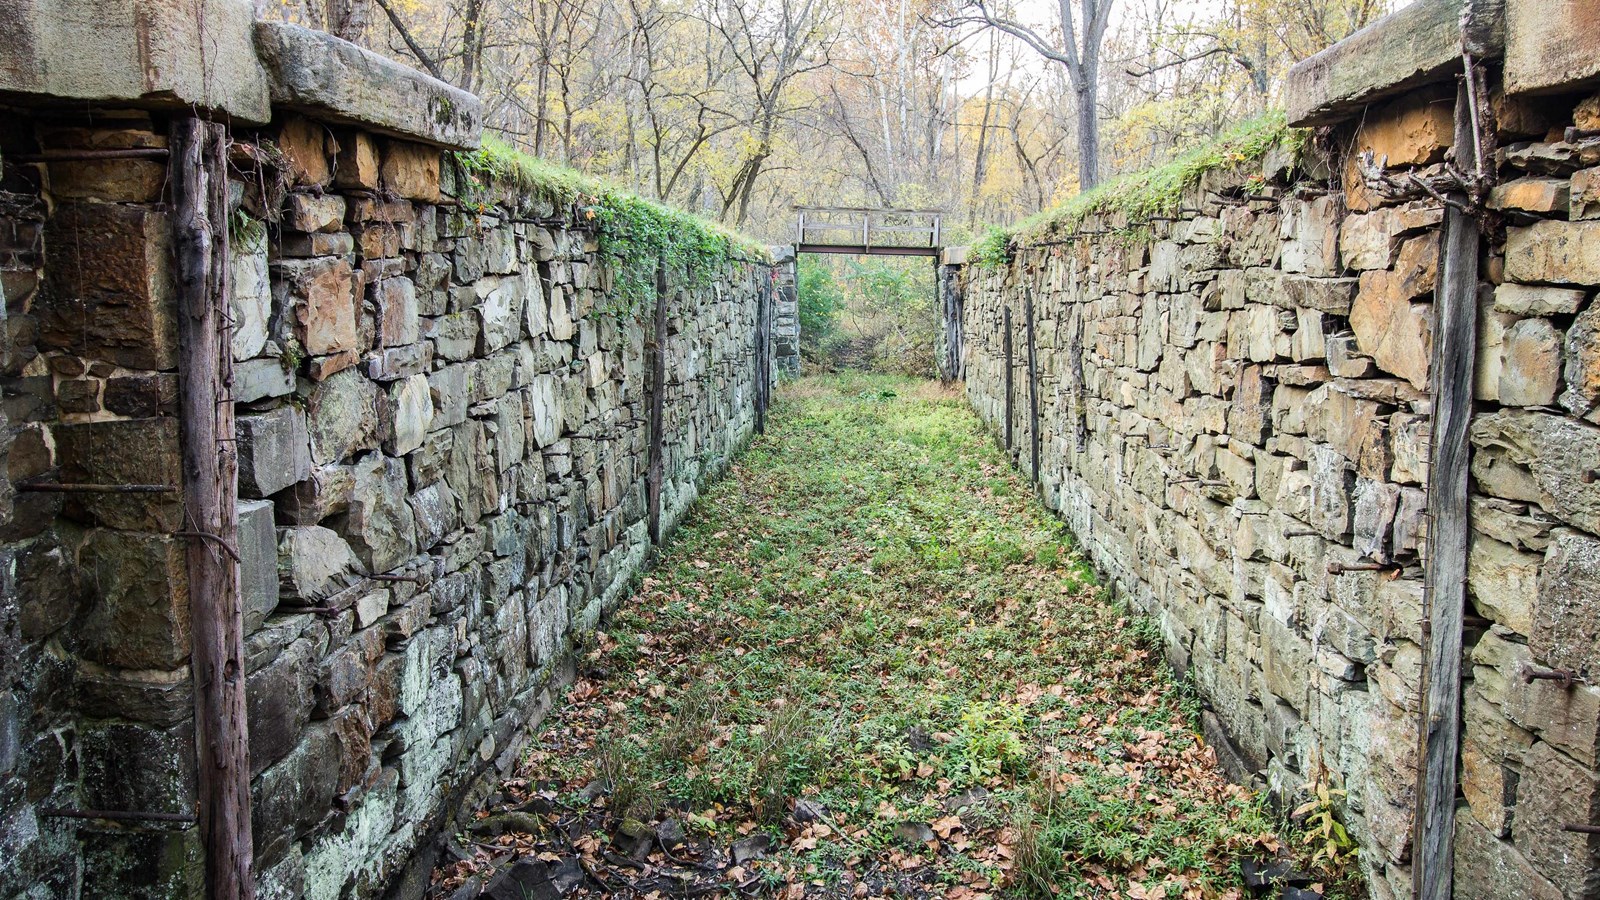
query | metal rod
[1581, 829]
[1298, 532]
[1590, 476]
[1339, 568]
[51, 488]
[115, 815]
[50, 156]
[414, 579]
[1566, 677]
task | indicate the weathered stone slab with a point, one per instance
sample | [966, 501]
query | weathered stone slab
[1550, 45]
[342, 417]
[314, 563]
[1547, 456]
[1566, 617]
[130, 451]
[379, 524]
[1419, 44]
[1554, 252]
[1582, 368]
[1389, 327]
[250, 291]
[138, 612]
[110, 289]
[145, 53]
[1554, 792]
[274, 451]
[258, 562]
[320, 293]
[318, 73]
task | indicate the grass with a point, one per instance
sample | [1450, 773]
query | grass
[873, 615]
[1138, 197]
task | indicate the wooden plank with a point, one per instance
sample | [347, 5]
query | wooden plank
[1010, 373]
[1033, 383]
[1415, 45]
[1454, 348]
[198, 175]
[655, 466]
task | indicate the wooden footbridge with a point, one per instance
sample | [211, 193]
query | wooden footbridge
[868, 232]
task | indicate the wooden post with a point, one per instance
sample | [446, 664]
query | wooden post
[763, 348]
[1033, 382]
[1010, 373]
[1454, 348]
[656, 465]
[198, 174]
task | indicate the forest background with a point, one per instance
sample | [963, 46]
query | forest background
[739, 110]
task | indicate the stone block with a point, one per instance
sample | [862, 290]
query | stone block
[260, 378]
[396, 302]
[292, 796]
[1530, 366]
[319, 296]
[1488, 867]
[314, 563]
[138, 611]
[1331, 482]
[411, 404]
[143, 395]
[378, 524]
[342, 417]
[448, 387]
[105, 180]
[1310, 233]
[411, 171]
[110, 293]
[435, 510]
[278, 700]
[336, 79]
[1389, 327]
[1529, 300]
[326, 493]
[258, 562]
[356, 165]
[1584, 196]
[250, 290]
[1565, 631]
[1554, 252]
[1582, 364]
[274, 450]
[1503, 582]
[304, 147]
[455, 336]
[1553, 792]
[395, 363]
[1532, 194]
[1373, 240]
[127, 451]
[1540, 458]
[310, 212]
[1548, 46]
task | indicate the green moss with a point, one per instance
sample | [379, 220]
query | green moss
[633, 231]
[1141, 196]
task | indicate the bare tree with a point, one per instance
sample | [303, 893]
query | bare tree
[1078, 52]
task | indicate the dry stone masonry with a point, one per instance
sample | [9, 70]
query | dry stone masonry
[442, 443]
[1234, 413]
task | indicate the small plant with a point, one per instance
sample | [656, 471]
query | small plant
[1330, 845]
[989, 742]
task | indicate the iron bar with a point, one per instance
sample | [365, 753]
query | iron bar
[52, 488]
[1339, 568]
[1566, 677]
[414, 579]
[50, 156]
[116, 815]
[1577, 828]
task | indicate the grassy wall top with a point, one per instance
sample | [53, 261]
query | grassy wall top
[636, 232]
[1138, 197]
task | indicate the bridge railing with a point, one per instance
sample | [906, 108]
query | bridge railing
[843, 229]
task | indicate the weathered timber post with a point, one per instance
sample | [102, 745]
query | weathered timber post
[1454, 349]
[948, 279]
[1010, 372]
[1033, 383]
[763, 348]
[198, 175]
[658, 391]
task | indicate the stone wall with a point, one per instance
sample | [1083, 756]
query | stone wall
[1234, 417]
[442, 438]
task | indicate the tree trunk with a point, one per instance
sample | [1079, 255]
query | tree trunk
[1088, 134]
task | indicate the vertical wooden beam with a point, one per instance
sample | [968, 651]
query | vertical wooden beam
[1033, 382]
[763, 348]
[198, 175]
[1454, 348]
[656, 465]
[1010, 373]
